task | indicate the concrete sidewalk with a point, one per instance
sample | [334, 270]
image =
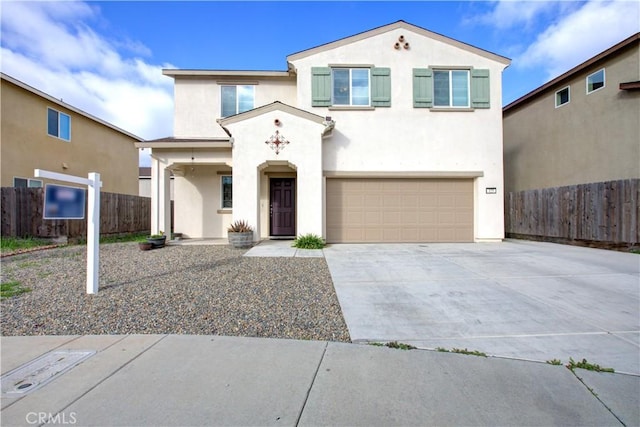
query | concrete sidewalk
[158, 380]
[281, 248]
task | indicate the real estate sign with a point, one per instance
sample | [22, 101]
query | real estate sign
[64, 202]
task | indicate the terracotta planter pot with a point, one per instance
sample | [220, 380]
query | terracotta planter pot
[240, 240]
[145, 246]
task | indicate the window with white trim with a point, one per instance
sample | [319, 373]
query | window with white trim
[226, 182]
[350, 86]
[562, 97]
[451, 88]
[58, 124]
[595, 81]
[26, 182]
[236, 99]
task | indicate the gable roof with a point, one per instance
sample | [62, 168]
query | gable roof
[277, 105]
[614, 50]
[393, 26]
[67, 106]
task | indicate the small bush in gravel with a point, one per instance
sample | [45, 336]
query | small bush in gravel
[11, 289]
[309, 241]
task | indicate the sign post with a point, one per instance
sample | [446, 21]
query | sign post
[93, 220]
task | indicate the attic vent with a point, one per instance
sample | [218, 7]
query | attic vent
[401, 43]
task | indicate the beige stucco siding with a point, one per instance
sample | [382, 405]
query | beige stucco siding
[198, 105]
[94, 147]
[593, 138]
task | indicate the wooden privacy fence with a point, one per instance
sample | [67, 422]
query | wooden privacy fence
[604, 213]
[119, 214]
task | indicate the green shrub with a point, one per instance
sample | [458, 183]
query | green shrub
[309, 241]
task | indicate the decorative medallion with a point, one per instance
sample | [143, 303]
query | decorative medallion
[277, 142]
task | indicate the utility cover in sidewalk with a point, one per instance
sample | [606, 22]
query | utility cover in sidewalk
[40, 371]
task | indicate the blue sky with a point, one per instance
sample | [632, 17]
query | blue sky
[106, 57]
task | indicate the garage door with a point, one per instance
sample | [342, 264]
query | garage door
[399, 210]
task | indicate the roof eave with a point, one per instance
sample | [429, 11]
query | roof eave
[393, 26]
[190, 73]
[186, 143]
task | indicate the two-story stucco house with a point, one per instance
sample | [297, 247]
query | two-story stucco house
[390, 135]
[581, 127]
[39, 131]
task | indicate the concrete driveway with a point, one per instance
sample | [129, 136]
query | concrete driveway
[520, 299]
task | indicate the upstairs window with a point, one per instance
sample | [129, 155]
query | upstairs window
[236, 99]
[58, 124]
[595, 81]
[451, 88]
[350, 86]
[562, 97]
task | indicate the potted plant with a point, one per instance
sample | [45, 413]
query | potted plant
[157, 240]
[240, 234]
[145, 246]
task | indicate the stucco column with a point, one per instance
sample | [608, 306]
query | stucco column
[160, 198]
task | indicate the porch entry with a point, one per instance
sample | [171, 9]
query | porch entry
[282, 204]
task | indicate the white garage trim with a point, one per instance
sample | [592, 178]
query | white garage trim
[406, 174]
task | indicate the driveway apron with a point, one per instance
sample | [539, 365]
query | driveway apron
[520, 299]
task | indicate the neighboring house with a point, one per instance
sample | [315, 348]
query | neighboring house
[144, 182]
[41, 132]
[582, 127]
[390, 135]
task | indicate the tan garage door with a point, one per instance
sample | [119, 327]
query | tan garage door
[399, 210]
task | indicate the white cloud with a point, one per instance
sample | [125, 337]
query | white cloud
[510, 13]
[52, 47]
[580, 35]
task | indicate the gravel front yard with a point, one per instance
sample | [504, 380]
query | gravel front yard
[207, 290]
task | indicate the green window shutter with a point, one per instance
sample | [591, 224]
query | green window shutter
[381, 87]
[480, 93]
[320, 86]
[422, 88]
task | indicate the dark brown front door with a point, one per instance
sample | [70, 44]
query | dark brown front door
[283, 207]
